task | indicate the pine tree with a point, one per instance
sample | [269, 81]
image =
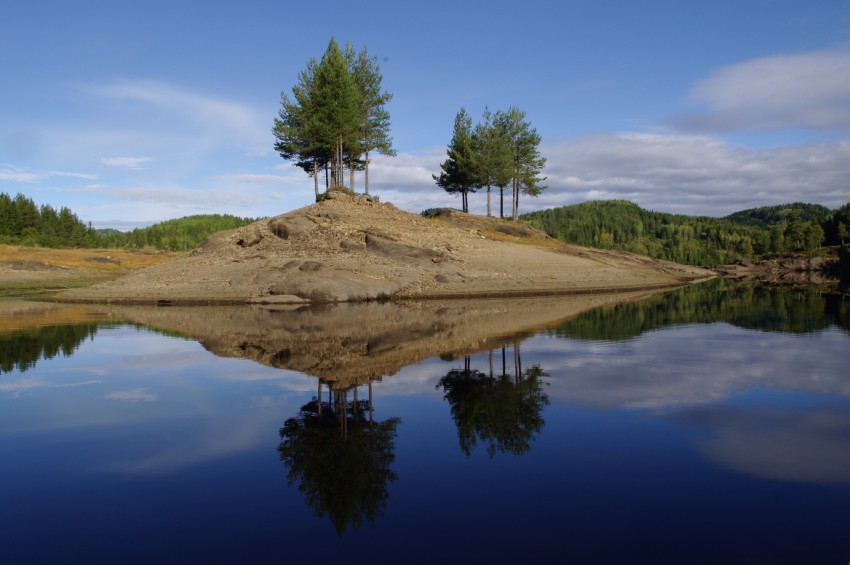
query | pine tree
[336, 115]
[336, 108]
[374, 117]
[459, 173]
[493, 156]
[526, 161]
[297, 134]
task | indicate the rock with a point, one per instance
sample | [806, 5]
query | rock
[278, 299]
[349, 245]
[334, 286]
[395, 250]
[253, 238]
[291, 227]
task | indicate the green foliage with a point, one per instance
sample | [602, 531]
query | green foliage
[459, 173]
[694, 240]
[23, 223]
[767, 216]
[501, 151]
[336, 115]
[181, 234]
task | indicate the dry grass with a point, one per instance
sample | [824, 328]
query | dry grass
[101, 259]
[38, 272]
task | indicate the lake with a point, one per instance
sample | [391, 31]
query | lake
[709, 424]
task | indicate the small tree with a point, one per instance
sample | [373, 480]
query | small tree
[459, 172]
[814, 236]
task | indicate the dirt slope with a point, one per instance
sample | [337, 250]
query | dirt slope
[351, 249]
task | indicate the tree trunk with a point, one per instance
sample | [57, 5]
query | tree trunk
[316, 178]
[515, 207]
[488, 201]
[366, 175]
[501, 201]
[351, 173]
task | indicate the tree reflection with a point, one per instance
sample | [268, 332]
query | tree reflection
[340, 457]
[502, 411]
[21, 350]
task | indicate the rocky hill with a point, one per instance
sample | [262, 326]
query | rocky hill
[352, 248]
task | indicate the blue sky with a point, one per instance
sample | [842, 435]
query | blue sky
[132, 113]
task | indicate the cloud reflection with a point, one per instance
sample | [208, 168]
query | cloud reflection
[811, 445]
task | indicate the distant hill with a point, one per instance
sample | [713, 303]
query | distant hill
[695, 240]
[181, 234]
[767, 216]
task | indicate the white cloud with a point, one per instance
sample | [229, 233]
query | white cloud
[688, 174]
[15, 174]
[693, 174]
[808, 90]
[132, 395]
[126, 162]
[211, 114]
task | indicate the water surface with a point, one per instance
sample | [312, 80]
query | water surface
[706, 425]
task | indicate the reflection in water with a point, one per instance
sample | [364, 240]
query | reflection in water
[21, 350]
[340, 457]
[777, 443]
[692, 443]
[747, 305]
[502, 411]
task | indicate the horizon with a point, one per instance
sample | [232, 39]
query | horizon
[259, 218]
[134, 115]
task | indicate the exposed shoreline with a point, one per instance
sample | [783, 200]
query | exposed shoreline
[353, 249]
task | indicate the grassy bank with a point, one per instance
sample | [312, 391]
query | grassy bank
[37, 273]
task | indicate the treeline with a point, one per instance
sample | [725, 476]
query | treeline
[696, 240]
[181, 234]
[24, 223]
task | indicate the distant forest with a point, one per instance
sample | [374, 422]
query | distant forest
[24, 223]
[770, 231]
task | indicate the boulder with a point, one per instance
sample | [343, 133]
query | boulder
[291, 227]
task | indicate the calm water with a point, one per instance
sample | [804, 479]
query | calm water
[708, 425]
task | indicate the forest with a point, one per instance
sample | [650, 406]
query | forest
[696, 240]
[24, 223]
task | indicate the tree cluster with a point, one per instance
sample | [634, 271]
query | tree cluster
[335, 118]
[24, 223]
[501, 151]
[693, 240]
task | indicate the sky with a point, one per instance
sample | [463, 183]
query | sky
[131, 113]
